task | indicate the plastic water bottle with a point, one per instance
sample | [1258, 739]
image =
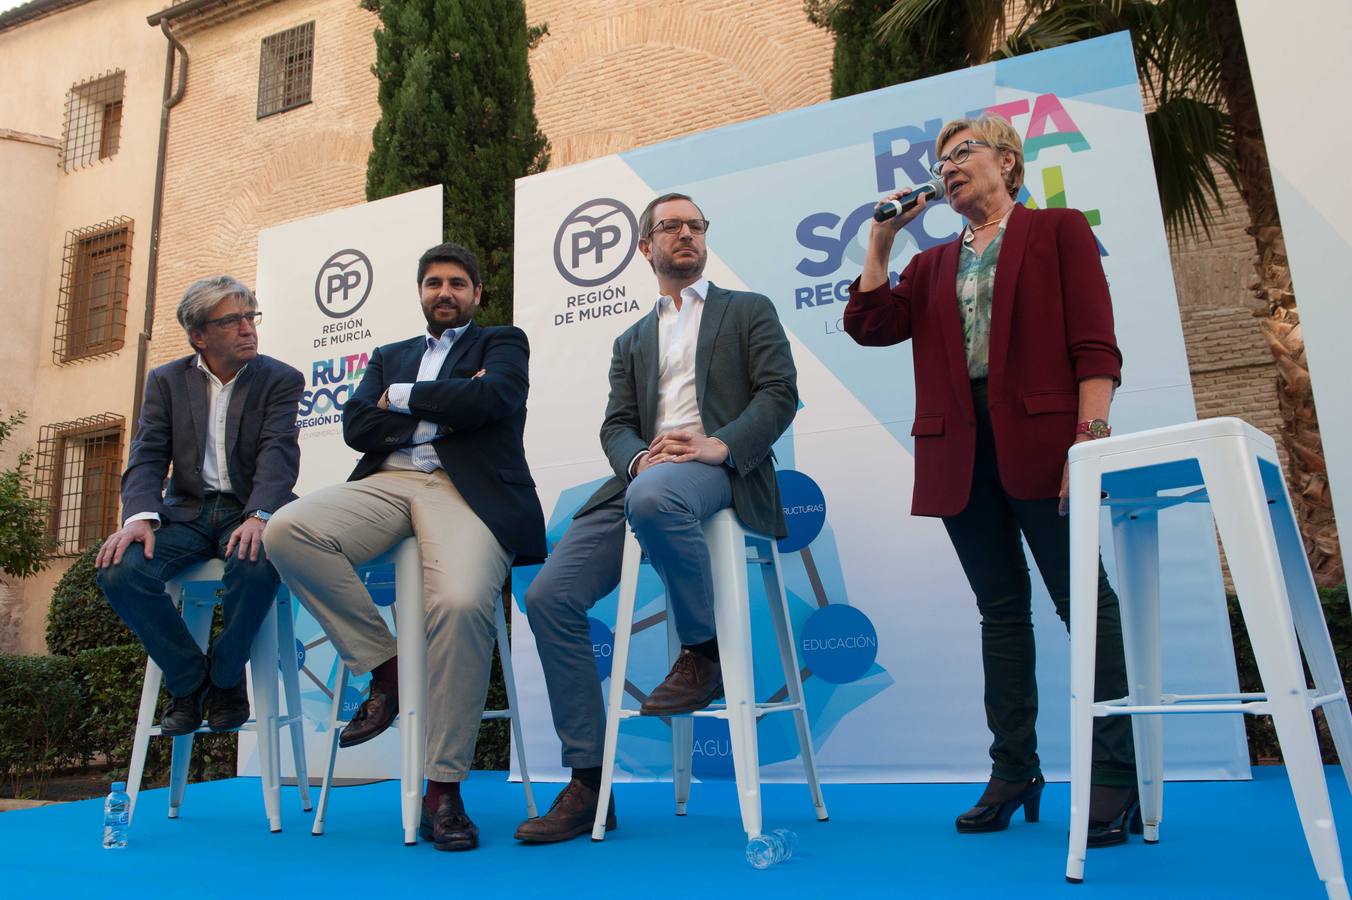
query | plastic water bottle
[116, 817]
[764, 850]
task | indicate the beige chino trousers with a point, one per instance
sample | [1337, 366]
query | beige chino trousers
[315, 543]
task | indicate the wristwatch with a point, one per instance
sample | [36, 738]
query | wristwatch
[1095, 428]
[260, 515]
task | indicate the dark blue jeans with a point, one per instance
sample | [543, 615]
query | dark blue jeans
[135, 589]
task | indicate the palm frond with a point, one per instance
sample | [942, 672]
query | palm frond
[1190, 140]
[928, 23]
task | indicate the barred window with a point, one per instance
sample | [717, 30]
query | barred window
[284, 69]
[91, 313]
[79, 467]
[93, 121]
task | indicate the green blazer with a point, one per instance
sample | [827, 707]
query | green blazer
[746, 387]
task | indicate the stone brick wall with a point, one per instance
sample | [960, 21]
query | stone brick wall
[611, 76]
[1232, 371]
[231, 175]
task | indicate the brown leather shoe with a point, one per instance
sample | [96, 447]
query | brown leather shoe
[449, 828]
[374, 715]
[694, 682]
[573, 814]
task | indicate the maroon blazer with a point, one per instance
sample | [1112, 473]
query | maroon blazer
[1051, 328]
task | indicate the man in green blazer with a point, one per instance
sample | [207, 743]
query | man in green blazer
[700, 389]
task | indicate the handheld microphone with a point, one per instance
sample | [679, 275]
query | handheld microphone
[934, 190]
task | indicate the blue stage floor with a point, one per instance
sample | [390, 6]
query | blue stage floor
[1219, 839]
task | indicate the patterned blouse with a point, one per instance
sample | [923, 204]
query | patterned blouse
[976, 289]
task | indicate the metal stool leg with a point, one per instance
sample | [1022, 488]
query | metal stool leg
[682, 732]
[295, 716]
[197, 617]
[263, 675]
[411, 634]
[624, 627]
[509, 682]
[1246, 531]
[778, 601]
[732, 619]
[1084, 554]
[1136, 539]
[335, 723]
[145, 720]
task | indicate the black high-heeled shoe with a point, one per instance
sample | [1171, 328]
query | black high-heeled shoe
[1114, 830]
[996, 816]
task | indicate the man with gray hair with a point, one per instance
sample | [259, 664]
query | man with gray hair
[221, 423]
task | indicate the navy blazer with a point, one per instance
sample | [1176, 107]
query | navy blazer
[262, 452]
[482, 421]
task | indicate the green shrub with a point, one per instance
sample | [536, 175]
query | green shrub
[108, 667]
[40, 715]
[80, 617]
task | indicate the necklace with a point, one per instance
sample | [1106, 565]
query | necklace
[973, 229]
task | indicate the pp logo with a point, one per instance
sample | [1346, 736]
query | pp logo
[595, 242]
[343, 283]
[603, 646]
[839, 643]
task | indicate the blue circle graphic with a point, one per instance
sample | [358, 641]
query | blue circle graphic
[603, 646]
[351, 700]
[839, 643]
[804, 508]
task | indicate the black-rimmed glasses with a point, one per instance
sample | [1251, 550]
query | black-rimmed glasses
[674, 226]
[958, 155]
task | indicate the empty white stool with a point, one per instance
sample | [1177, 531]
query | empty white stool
[412, 648]
[729, 542]
[1234, 467]
[274, 644]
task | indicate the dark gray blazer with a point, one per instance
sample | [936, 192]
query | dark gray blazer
[262, 452]
[746, 387]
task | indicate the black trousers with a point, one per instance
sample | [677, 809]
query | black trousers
[986, 538]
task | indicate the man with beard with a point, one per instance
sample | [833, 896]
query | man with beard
[700, 389]
[439, 420]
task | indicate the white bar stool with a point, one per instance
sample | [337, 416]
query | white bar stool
[1233, 466]
[412, 648]
[277, 631]
[729, 542]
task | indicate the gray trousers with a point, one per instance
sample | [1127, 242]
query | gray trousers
[317, 540]
[665, 506]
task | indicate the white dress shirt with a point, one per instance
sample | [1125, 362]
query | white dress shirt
[215, 467]
[422, 456]
[677, 337]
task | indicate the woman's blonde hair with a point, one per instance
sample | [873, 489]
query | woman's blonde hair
[995, 131]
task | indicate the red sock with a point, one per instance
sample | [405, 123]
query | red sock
[438, 789]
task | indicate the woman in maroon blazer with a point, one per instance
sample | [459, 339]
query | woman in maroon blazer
[1015, 359]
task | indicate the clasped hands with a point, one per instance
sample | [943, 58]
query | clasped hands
[680, 445]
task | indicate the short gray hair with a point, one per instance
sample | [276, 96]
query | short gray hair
[202, 296]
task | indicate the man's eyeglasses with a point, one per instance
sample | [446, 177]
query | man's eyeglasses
[958, 155]
[674, 226]
[225, 323]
